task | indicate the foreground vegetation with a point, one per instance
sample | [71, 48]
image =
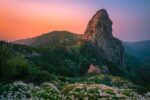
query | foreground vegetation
[76, 91]
[64, 69]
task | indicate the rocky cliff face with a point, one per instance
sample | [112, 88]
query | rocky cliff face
[99, 33]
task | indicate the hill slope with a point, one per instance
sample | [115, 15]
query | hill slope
[51, 39]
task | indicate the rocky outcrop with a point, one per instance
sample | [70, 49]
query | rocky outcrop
[95, 69]
[99, 33]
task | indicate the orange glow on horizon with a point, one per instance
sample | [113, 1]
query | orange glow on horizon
[21, 19]
[35, 19]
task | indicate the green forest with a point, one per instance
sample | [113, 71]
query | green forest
[66, 67]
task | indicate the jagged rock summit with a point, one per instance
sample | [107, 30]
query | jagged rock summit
[99, 33]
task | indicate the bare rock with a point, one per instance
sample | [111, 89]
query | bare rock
[99, 33]
[94, 69]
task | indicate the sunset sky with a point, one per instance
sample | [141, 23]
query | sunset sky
[21, 19]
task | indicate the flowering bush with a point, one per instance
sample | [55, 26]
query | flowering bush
[16, 91]
[22, 91]
[99, 91]
[76, 91]
[47, 91]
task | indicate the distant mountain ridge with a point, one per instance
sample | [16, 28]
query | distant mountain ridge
[51, 38]
[140, 49]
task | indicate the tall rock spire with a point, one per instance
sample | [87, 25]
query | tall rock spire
[99, 33]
